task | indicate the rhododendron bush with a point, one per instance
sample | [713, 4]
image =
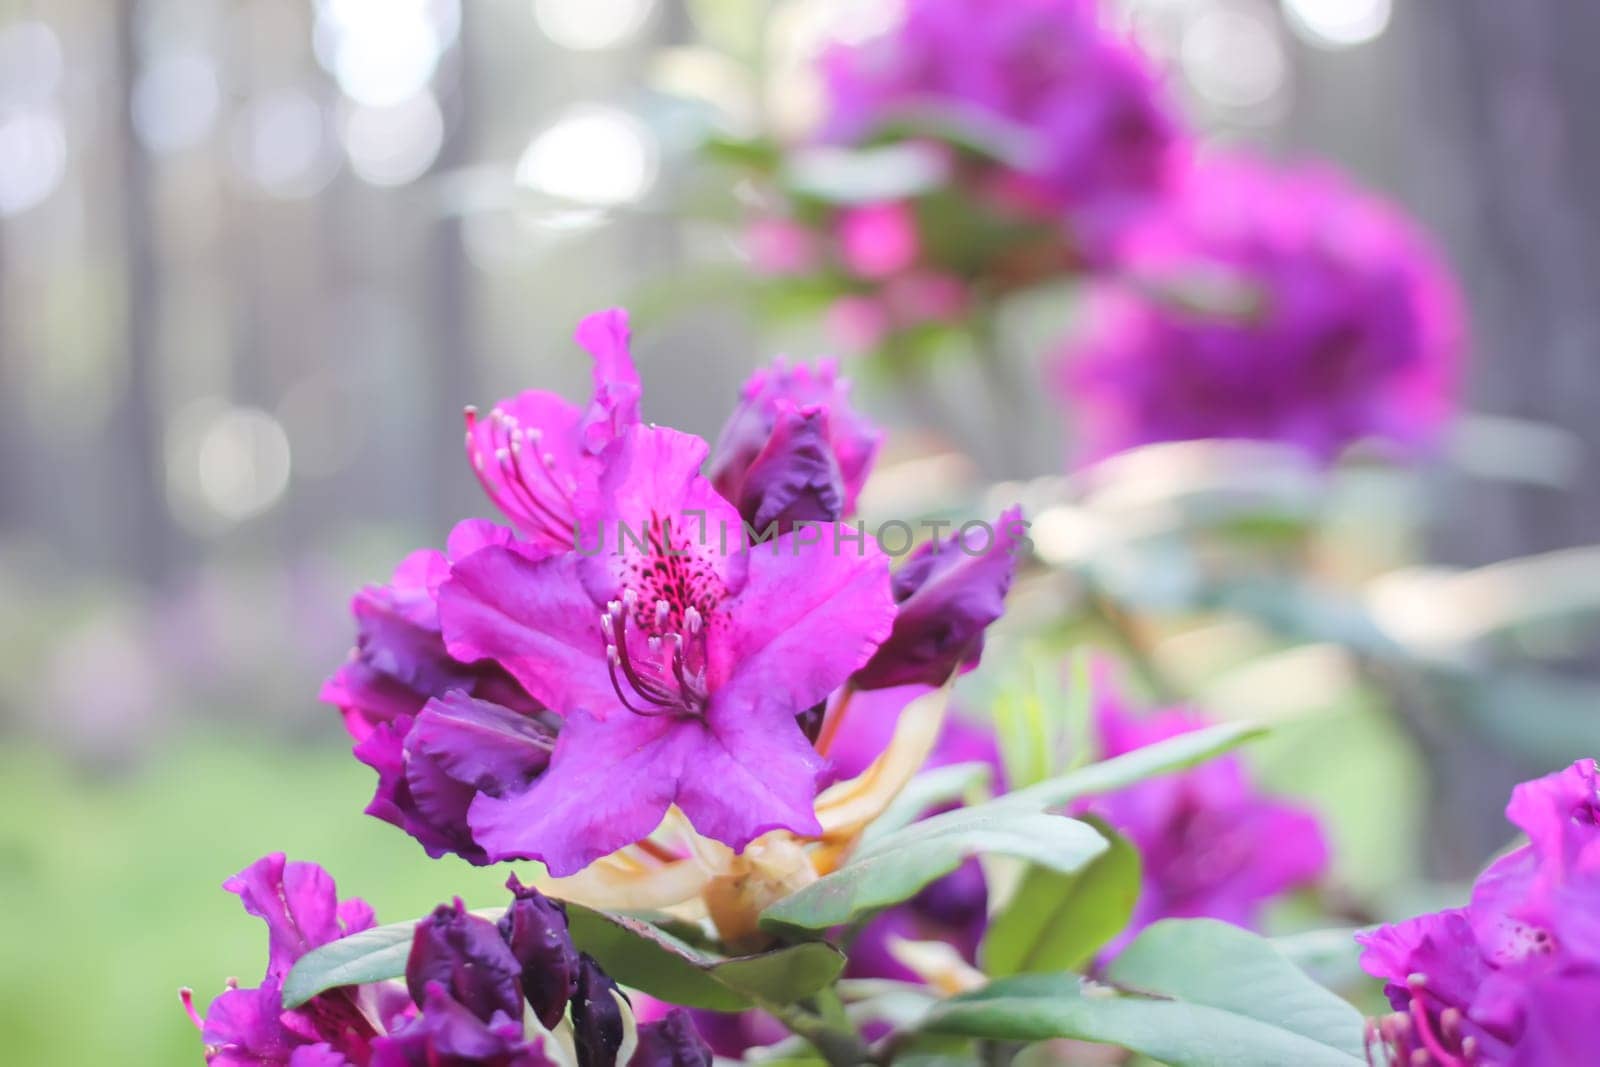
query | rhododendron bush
[782, 768]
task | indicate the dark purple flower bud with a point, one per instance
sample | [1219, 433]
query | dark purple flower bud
[467, 957]
[794, 448]
[948, 593]
[596, 1016]
[431, 767]
[535, 928]
[671, 1042]
[448, 1034]
[795, 478]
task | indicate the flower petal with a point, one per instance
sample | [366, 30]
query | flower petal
[608, 785]
[809, 615]
[536, 620]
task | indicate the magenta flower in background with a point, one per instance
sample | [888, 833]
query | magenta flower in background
[1097, 135]
[1512, 979]
[1212, 845]
[794, 448]
[677, 656]
[536, 453]
[1283, 305]
[947, 594]
[249, 1027]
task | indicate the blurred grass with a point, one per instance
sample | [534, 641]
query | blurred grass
[110, 891]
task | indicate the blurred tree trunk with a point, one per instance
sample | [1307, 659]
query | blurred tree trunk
[1501, 153]
[1506, 148]
[451, 361]
[143, 536]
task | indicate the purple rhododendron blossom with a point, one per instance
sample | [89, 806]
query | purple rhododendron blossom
[1512, 979]
[466, 957]
[947, 594]
[677, 656]
[249, 1027]
[537, 453]
[671, 1041]
[1212, 845]
[535, 929]
[431, 767]
[448, 1034]
[399, 661]
[1098, 136]
[1282, 305]
[794, 447]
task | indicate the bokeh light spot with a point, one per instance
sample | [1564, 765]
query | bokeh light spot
[592, 155]
[1338, 23]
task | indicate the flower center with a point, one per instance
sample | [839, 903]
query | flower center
[657, 656]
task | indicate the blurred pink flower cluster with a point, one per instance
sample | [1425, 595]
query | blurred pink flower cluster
[997, 146]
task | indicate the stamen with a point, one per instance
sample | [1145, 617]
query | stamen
[186, 995]
[1430, 1040]
[662, 608]
[691, 619]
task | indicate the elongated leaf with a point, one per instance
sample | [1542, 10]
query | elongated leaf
[896, 867]
[640, 954]
[1208, 995]
[928, 790]
[1057, 921]
[1163, 757]
[1332, 957]
[370, 956]
[632, 949]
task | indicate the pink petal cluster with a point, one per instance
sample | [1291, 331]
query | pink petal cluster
[467, 983]
[645, 635]
[1512, 979]
[1270, 304]
[1097, 136]
[1212, 844]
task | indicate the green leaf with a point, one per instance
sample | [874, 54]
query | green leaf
[928, 790]
[894, 867]
[369, 956]
[1195, 993]
[640, 954]
[632, 949]
[1057, 921]
[897, 866]
[1163, 757]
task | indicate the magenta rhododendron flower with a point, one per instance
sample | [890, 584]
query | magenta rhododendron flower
[431, 767]
[448, 1034]
[1513, 978]
[537, 452]
[1097, 136]
[1212, 845]
[794, 448]
[1281, 305]
[249, 1027]
[947, 594]
[400, 662]
[677, 656]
